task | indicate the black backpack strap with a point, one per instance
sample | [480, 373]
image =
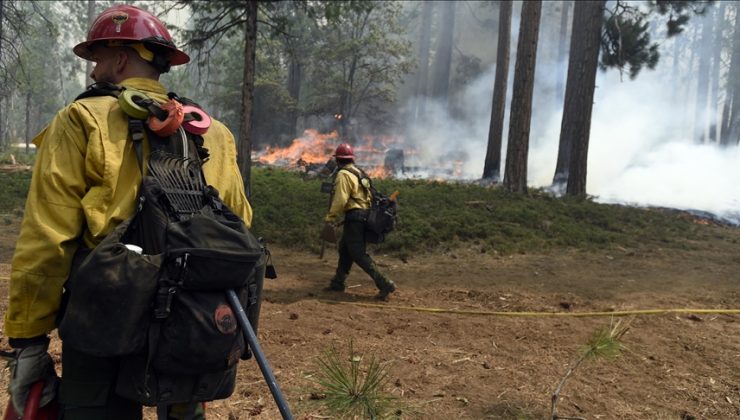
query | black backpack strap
[136, 128]
[360, 174]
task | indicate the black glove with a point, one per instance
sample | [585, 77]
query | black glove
[29, 362]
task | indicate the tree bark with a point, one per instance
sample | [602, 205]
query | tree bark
[443, 57]
[575, 128]
[492, 165]
[562, 52]
[730, 128]
[28, 121]
[245, 129]
[702, 87]
[294, 90]
[421, 88]
[3, 86]
[515, 176]
[719, 24]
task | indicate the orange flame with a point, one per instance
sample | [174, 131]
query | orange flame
[316, 148]
[312, 147]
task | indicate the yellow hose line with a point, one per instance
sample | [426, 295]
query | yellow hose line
[542, 314]
[533, 314]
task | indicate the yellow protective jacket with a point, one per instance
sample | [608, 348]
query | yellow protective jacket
[85, 182]
[347, 194]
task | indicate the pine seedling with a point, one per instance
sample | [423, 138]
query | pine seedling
[605, 343]
[351, 390]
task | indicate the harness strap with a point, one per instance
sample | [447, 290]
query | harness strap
[100, 89]
[136, 128]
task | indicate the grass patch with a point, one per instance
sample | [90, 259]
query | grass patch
[289, 210]
[434, 216]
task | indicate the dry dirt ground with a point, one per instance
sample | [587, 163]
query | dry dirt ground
[453, 364]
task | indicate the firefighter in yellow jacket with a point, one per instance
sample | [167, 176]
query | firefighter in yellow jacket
[85, 182]
[352, 200]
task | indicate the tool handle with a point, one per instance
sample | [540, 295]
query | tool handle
[32, 404]
[259, 355]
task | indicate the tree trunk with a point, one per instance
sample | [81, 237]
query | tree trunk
[716, 73]
[515, 176]
[245, 128]
[90, 20]
[492, 166]
[421, 81]
[443, 55]
[28, 121]
[3, 85]
[731, 129]
[294, 90]
[702, 87]
[575, 128]
[561, 165]
[692, 34]
[562, 53]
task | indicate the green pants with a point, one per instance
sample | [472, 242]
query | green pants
[352, 249]
[87, 391]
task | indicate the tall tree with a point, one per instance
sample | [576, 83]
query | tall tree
[515, 176]
[421, 87]
[624, 41]
[702, 88]
[731, 128]
[443, 53]
[13, 25]
[245, 130]
[562, 52]
[716, 72]
[358, 61]
[213, 21]
[575, 127]
[492, 165]
[3, 80]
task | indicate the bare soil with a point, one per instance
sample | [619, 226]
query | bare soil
[454, 364]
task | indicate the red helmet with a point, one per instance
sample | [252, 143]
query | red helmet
[344, 151]
[129, 23]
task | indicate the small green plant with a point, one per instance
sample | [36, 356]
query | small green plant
[350, 389]
[605, 343]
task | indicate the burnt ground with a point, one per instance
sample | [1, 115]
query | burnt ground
[454, 364]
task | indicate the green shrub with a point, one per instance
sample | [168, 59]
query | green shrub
[289, 210]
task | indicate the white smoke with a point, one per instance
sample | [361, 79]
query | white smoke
[641, 152]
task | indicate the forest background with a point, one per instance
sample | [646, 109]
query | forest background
[654, 127]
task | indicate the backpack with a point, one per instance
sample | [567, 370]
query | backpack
[153, 292]
[383, 212]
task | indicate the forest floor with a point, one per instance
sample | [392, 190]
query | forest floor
[453, 364]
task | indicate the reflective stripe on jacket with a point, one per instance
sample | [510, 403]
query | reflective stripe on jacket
[347, 195]
[85, 182]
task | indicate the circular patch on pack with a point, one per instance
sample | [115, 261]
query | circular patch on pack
[225, 319]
